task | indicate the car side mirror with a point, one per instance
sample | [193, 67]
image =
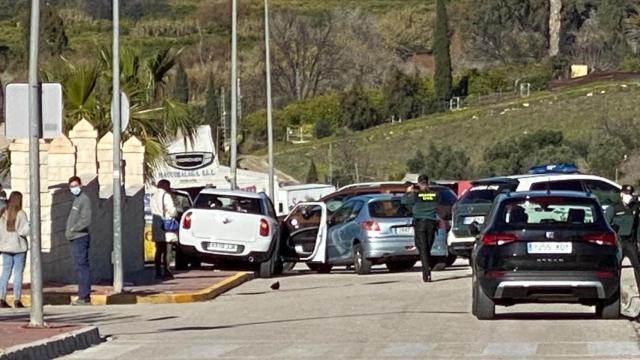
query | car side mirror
[474, 228]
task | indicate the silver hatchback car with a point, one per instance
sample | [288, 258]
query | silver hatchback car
[372, 229]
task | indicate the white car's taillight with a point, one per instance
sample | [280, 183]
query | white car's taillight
[186, 221]
[264, 227]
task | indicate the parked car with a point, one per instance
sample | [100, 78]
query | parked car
[546, 246]
[474, 204]
[324, 239]
[227, 225]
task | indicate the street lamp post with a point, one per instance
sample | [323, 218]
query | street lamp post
[117, 188]
[234, 92]
[269, 115]
[36, 318]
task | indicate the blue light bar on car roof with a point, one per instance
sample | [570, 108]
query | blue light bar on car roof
[561, 168]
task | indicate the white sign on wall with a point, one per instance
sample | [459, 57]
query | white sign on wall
[16, 110]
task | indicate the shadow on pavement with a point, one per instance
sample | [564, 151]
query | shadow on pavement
[546, 316]
[221, 327]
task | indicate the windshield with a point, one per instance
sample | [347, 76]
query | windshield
[229, 203]
[541, 211]
[388, 209]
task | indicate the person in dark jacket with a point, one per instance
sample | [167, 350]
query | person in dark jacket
[625, 222]
[424, 204]
[77, 232]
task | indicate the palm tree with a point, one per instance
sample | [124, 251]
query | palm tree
[154, 119]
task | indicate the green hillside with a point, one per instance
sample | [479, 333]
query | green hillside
[382, 152]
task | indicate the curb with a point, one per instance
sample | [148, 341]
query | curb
[53, 347]
[168, 298]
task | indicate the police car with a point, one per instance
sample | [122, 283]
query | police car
[475, 203]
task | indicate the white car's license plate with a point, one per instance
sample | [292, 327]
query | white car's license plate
[405, 230]
[549, 248]
[471, 219]
[214, 246]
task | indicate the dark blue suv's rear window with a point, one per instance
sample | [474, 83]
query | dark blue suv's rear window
[540, 211]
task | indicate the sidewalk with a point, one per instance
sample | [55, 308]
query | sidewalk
[187, 286]
[17, 341]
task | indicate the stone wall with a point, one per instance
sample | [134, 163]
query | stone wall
[82, 154]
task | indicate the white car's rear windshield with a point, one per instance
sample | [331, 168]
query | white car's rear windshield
[229, 203]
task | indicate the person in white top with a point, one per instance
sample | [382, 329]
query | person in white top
[14, 228]
[162, 207]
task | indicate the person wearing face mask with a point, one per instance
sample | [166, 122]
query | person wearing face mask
[625, 222]
[77, 232]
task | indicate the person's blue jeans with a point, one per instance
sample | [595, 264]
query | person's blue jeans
[15, 263]
[80, 250]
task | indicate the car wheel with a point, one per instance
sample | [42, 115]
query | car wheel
[268, 268]
[474, 296]
[485, 308]
[438, 263]
[320, 268]
[400, 265]
[360, 263]
[451, 259]
[609, 308]
[182, 260]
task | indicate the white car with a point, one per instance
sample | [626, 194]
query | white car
[231, 226]
[476, 202]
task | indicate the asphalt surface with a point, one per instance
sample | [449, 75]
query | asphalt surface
[345, 316]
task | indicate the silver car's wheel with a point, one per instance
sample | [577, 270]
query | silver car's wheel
[360, 263]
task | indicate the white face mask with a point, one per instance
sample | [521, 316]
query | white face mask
[626, 199]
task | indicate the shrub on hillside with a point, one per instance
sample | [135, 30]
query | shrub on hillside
[322, 129]
[440, 162]
[357, 110]
[606, 153]
[515, 156]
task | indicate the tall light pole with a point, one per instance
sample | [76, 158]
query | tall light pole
[117, 189]
[234, 92]
[267, 56]
[35, 115]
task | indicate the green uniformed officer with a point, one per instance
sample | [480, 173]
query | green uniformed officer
[625, 221]
[424, 203]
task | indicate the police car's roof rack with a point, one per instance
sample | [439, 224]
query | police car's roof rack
[560, 168]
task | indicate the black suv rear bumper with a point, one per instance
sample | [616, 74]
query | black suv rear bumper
[536, 286]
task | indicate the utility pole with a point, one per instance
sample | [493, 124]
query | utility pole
[117, 188]
[223, 121]
[269, 115]
[239, 105]
[234, 92]
[330, 163]
[36, 318]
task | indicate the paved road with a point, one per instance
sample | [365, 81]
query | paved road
[344, 316]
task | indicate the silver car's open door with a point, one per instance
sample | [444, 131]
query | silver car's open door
[304, 233]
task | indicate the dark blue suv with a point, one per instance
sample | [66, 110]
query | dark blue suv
[546, 246]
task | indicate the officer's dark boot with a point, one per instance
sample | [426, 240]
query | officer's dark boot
[426, 276]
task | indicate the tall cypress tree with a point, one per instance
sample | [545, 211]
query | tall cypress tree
[212, 110]
[181, 87]
[442, 77]
[312, 175]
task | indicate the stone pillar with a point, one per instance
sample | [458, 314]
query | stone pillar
[133, 155]
[62, 159]
[84, 136]
[20, 165]
[105, 165]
